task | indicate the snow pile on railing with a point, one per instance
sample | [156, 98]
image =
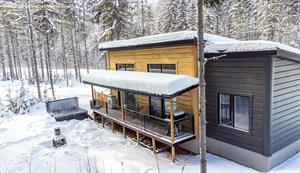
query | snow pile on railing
[142, 82]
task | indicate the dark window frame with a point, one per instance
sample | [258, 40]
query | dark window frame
[125, 68]
[161, 67]
[232, 104]
[162, 100]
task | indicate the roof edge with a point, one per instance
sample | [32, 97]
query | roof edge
[288, 55]
[153, 45]
[237, 54]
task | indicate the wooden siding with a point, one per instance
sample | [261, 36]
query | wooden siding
[237, 76]
[184, 57]
[286, 103]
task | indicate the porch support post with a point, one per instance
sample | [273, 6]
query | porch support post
[195, 105]
[93, 97]
[172, 128]
[153, 146]
[102, 120]
[138, 137]
[112, 126]
[123, 113]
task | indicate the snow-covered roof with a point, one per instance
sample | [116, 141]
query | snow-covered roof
[214, 43]
[247, 46]
[161, 38]
[142, 82]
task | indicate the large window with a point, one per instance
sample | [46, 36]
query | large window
[129, 98]
[161, 107]
[234, 111]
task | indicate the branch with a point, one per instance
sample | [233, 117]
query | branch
[214, 58]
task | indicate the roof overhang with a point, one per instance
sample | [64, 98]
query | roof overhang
[160, 40]
[152, 84]
[252, 49]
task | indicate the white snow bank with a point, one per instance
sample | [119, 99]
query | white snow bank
[26, 142]
[152, 83]
[161, 38]
[245, 46]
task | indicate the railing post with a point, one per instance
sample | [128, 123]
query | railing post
[93, 97]
[123, 113]
[172, 128]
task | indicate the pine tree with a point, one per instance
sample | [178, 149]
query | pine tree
[192, 17]
[169, 15]
[182, 16]
[113, 16]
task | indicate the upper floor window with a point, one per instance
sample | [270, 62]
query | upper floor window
[234, 111]
[125, 67]
[162, 68]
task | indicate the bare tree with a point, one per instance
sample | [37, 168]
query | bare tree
[201, 75]
[84, 36]
[2, 58]
[201, 67]
[33, 48]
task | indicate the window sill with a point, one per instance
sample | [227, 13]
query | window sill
[235, 129]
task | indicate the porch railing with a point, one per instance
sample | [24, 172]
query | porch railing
[183, 126]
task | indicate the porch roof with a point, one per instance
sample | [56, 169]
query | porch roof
[158, 84]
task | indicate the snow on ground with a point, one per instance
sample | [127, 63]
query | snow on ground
[25, 144]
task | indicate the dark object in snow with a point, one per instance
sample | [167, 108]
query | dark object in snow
[59, 139]
[57, 131]
[66, 109]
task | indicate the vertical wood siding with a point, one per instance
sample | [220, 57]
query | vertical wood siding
[237, 76]
[184, 57]
[286, 103]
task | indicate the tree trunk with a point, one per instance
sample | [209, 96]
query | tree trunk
[74, 54]
[77, 50]
[64, 54]
[18, 57]
[143, 18]
[49, 64]
[33, 49]
[10, 63]
[84, 39]
[28, 68]
[13, 51]
[42, 59]
[202, 94]
[46, 61]
[2, 59]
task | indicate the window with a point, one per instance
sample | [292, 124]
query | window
[129, 98]
[161, 107]
[234, 111]
[162, 68]
[125, 67]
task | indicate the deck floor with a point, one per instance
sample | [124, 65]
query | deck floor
[149, 126]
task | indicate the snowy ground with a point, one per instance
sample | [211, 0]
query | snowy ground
[25, 144]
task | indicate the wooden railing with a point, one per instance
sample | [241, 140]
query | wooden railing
[149, 123]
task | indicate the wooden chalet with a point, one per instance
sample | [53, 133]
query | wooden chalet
[253, 95]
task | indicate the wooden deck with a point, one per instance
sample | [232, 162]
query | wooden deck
[147, 126]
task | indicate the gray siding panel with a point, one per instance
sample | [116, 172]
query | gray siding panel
[286, 103]
[240, 76]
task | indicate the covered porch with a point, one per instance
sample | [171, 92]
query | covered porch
[131, 108]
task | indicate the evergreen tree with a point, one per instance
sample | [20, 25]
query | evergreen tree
[182, 16]
[113, 16]
[169, 15]
[192, 16]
